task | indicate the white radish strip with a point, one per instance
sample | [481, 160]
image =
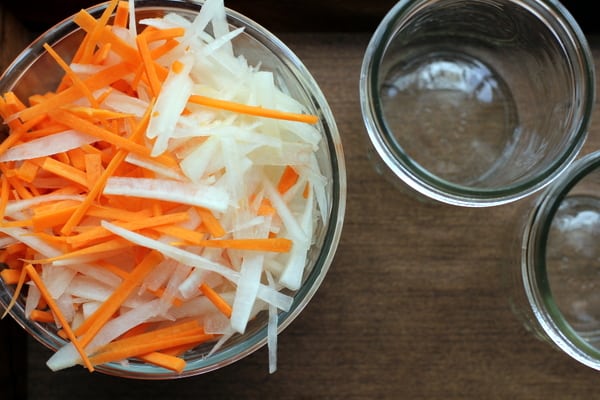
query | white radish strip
[47, 145]
[292, 274]
[171, 290]
[157, 168]
[86, 69]
[121, 102]
[132, 19]
[222, 41]
[84, 289]
[196, 307]
[26, 237]
[171, 101]
[216, 323]
[57, 279]
[159, 275]
[272, 326]
[98, 273]
[163, 189]
[245, 295]
[196, 163]
[7, 241]
[280, 300]
[33, 298]
[222, 340]
[66, 306]
[189, 287]
[290, 222]
[90, 308]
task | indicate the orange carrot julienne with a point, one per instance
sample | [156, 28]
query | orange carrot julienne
[216, 299]
[148, 64]
[211, 223]
[71, 75]
[10, 276]
[4, 194]
[41, 316]
[167, 361]
[93, 36]
[103, 247]
[289, 177]
[278, 245]
[252, 110]
[64, 170]
[122, 14]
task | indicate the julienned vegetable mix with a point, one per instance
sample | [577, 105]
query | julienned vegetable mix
[163, 195]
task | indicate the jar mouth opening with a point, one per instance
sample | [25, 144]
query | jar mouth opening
[457, 192]
[542, 283]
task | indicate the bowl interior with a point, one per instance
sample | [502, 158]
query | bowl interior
[34, 71]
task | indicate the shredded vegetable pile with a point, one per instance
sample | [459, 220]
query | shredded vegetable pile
[161, 197]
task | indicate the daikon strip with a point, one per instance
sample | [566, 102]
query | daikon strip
[163, 189]
[159, 169]
[47, 145]
[247, 290]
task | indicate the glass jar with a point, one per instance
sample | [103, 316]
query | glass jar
[555, 265]
[476, 103]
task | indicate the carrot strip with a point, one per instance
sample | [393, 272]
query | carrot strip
[27, 171]
[59, 315]
[188, 235]
[167, 361]
[216, 299]
[148, 64]
[289, 177]
[97, 81]
[17, 292]
[277, 245]
[87, 55]
[4, 194]
[64, 170]
[10, 276]
[105, 35]
[71, 75]
[211, 223]
[41, 316]
[90, 327]
[252, 110]
[104, 247]
[93, 169]
[99, 113]
[122, 14]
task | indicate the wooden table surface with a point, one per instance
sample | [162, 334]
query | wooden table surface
[413, 307]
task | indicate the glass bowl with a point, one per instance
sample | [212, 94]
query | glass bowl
[34, 71]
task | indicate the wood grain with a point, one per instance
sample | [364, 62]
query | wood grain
[413, 307]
